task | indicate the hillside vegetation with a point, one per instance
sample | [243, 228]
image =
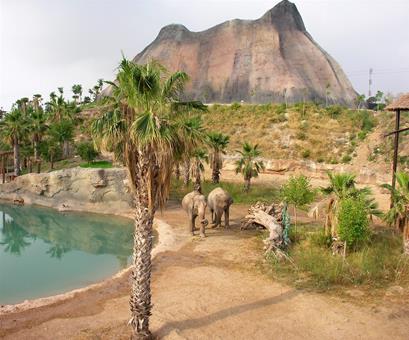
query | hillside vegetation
[329, 135]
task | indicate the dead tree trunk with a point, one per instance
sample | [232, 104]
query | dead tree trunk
[275, 219]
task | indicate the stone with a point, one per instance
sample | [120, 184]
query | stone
[271, 59]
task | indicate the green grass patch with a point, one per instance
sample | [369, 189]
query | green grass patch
[263, 193]
[377, 264]
[97, 165]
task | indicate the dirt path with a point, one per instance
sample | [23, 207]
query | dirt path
[210, 289]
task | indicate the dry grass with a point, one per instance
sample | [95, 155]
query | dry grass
[320, 134]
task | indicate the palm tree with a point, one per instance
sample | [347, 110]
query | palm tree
[37, 123]
[14, 128]
[77, 90]
[199, 156]
[218, 143]
[343, 186]
[144, 119]
[63, 133]
[398, 215]
[248, 165]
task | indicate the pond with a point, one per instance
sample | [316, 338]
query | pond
[44, 252]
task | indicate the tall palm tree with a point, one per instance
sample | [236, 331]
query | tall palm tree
[248, 165]
[199, 156]
[37, 124]
[398, 215]
[14, 128]
[77, 90]
[63, 133]
[146, 122]
[218, 143]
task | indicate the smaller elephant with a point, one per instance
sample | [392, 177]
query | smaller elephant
[194, 203]
[219, 202]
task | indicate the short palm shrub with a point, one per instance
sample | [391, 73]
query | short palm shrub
[353, 221]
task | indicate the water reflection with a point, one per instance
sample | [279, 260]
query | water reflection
[14, 238]
[64, 232]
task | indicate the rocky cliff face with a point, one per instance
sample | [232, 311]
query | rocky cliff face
[271, 59]
[96, 190]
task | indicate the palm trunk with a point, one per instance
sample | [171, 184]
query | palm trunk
[177, 171]
[16, 149]
[406, 239]
[52, 161]
[215, 170]
[36, 149]
[198, 180]
[66, 149]
[247, 184]
[186, 172]
[140, 301]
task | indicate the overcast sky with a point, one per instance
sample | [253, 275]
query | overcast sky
[45, 44]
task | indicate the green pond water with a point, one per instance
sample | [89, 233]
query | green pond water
[44, 252]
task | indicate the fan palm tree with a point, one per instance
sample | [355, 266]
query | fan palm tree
[199, 156]
[218, 143]
[14, 128]
[63, 133]
[77, 90]
[248, 165]
[37, 124]
[398, 215]
[145, 121]
[343, 186]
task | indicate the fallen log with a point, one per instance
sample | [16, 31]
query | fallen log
[275, 219]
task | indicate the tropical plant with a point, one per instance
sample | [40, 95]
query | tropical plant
[14, 128]
[353, 221]
[146, 121]
[77, 90]
[218, 143]
[87, 151]
[37, 125]
[63, 133]
[298, 192]
[199, 157]
[343, 186]
[398, 214]
[248, 165]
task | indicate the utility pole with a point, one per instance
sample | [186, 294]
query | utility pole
[370, 81]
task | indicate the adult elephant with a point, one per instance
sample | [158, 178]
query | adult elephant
[219, 202]
[194, 203]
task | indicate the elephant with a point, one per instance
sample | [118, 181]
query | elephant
[219, 202]
[194, 203]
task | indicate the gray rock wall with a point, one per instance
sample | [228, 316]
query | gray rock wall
[97, 190]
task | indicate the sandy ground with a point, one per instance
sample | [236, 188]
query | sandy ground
[211, 289]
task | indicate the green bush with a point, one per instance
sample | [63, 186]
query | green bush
[362, 135]
[346, 159]
[306, 153]
[235, 106]
[87, 151]
[334, 110]
[353, 222]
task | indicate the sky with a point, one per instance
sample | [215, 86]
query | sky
[45, 44]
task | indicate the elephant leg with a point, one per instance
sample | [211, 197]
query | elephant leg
[202, 230]
[213, 219]
[218, 219]
[226, 218]
[192, 224]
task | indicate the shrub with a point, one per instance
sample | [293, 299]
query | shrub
[301, 135]
[87, 151]
[346, 159]
[334, 110]
[235, 106]
[362, 135]
[306, 153]
[353, 222]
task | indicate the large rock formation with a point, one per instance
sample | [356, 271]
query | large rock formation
[96, 190]
[271, 59]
